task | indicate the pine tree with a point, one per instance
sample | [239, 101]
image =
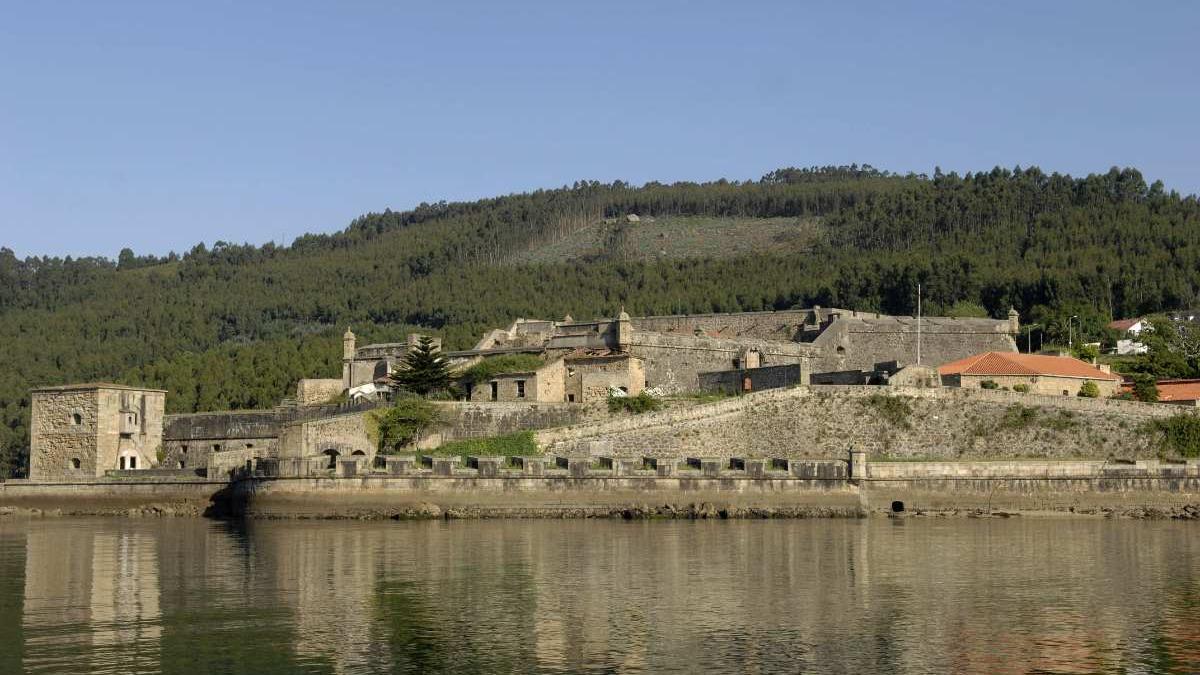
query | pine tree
[425, 370]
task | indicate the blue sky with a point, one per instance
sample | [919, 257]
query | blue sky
[158, 125]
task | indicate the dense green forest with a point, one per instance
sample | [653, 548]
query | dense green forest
[234, 326]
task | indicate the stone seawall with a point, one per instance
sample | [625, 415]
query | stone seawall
[117, 497]
[799, 489]
[898, 422]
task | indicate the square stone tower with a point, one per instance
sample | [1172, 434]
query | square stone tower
[83, 430]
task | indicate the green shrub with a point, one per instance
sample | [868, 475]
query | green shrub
[1017, 417]
[1178, 435]
[521, 444]
[500, 365]
[637, 405]
[1021, 388]
[1144, 388]
[401, 424]
[989, 384]
[893, 409]
[1089, 389]
[1087, 352]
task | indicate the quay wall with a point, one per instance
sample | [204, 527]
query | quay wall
[753, 489]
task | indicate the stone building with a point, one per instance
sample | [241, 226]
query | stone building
[836, 346]
[581, 376]
[84, 430]
[1042, 374]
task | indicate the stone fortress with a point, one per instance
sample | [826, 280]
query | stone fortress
[834, 412]
[94, 430]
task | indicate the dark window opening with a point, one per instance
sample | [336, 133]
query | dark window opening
[249, 445]
[181, 465]
[495, 390]
[570, 398]
[76, 419]
[520, 388]
[841, 349]
[183, 449]
[121, 463]
[216, 447]
[75, 462]
[333, 455]
[624, 389]
[133, 462]
[358, 453]
[897, 507]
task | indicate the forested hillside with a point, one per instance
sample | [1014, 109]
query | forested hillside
[236, 326]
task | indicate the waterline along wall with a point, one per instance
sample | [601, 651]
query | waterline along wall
[667, 487]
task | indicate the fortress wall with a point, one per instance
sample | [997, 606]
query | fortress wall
[860, 343]
[674, 362]
[783, 325]
[312, 391]
[191, 438]
[824, 422]
[480, 420]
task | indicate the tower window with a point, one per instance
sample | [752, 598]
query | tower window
[75, 463]
[76, 419]
[520, 388]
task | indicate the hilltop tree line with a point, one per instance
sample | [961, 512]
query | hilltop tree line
[234, 326]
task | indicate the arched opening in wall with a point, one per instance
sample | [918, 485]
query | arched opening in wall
[332, 455]
[133, 462]
[76, 419]
[897, 507]
[75, 463]
[841, 349]
[358, 453]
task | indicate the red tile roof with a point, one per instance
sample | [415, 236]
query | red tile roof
[1177, 390]
[1123, 324]
[1012, 363]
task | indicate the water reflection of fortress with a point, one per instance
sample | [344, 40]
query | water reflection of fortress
[502, 596]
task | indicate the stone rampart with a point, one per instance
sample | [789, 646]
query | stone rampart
[674, 362]
[900, 422]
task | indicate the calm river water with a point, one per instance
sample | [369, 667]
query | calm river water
[904, 596]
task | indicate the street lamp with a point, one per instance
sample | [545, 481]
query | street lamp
[1071, 332]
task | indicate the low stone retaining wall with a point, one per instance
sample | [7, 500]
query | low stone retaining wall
[575, 486]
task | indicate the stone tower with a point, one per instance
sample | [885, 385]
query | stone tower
[348, 347]
[1014, 321]
[624, 331]
[83, 430]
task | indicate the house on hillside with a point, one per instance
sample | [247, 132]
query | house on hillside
[1054, 375]
[1130, 329]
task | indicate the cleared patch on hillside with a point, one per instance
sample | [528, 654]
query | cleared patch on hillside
[673, 237]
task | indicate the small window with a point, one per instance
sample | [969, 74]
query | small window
[841, 349]
[121, 463]
[183, 449]
[570, 398]
[520, 388]
[216, 447]
[624, 389]
[75, 463]
[76, 419]
[495, 390]
[133, 462]
[181, 465]
[249, 445]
